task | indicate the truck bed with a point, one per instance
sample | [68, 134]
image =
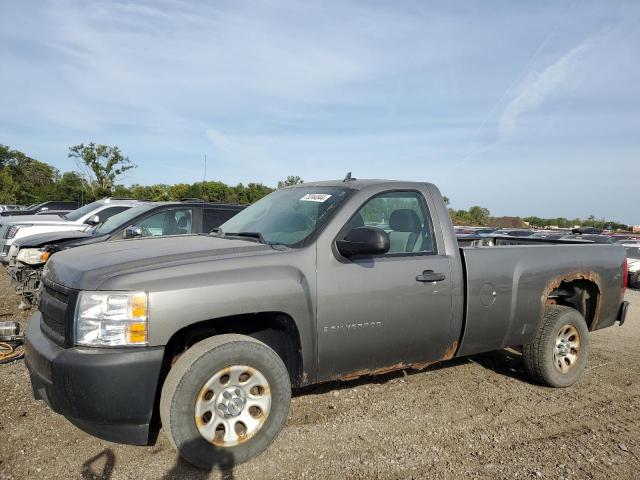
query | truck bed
[506, 287]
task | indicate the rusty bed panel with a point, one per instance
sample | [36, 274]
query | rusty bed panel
[508, 286]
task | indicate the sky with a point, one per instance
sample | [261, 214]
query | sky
[526, 108]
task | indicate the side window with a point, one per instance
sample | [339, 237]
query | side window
[169, 222]
[214, 217]
[104, 214]
[405, 218]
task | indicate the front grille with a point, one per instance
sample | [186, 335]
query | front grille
[56, 307]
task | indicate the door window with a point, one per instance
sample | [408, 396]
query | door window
[405, 218]
[214, 217]
[169, 222]
[107, 213]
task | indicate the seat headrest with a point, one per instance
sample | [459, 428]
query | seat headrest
[404, 220]
[183, 222]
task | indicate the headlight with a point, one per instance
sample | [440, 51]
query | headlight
[111, 318]
[32, 256]
[13, 230]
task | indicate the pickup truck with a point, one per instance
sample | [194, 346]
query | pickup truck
[206, 335]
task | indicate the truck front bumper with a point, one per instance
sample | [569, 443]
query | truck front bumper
[107, 392]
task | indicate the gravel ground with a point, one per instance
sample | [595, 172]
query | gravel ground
[476, 417]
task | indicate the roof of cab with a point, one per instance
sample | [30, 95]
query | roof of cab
[355, 184]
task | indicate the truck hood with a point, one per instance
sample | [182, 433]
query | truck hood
[633, 264]
[39, 240]
[36, 220]
[87, 267]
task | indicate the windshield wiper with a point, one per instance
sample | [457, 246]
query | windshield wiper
[257, 235]
[63, 215]
[218, 232]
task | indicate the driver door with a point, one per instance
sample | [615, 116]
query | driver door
[378, 312]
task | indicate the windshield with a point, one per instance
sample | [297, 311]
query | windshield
[77, 214]
[633, 252]
[120, 220]
[288, 216]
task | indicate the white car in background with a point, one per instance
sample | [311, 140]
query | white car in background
[633, 262]
[19, 226]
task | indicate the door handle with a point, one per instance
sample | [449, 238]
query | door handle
[430, 276]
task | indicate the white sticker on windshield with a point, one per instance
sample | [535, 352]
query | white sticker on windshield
[315, 197]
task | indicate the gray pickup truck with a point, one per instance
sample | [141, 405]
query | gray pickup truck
[206, 335]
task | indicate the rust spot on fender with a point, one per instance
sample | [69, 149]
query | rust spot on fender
[451, 351]
[588, 275]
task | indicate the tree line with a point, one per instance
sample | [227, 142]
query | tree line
[101, 168]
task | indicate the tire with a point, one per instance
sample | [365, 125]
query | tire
[203, 367]
[554, 362]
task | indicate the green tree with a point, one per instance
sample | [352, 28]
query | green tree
[6, 155]
[37, 180]
[290, 180]
[8, 188]
[179, 191]
[121, 191]
[34, 179]
[479, 215]
[101, 166]
[70, 186]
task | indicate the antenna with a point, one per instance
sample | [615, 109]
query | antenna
[348, 178]
[204, 177]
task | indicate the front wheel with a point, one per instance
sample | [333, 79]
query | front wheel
[224, 401]
[558, 354]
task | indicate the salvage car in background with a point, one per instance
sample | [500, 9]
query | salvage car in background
[18, 226]
[28, 255]
[41, 207]
[209, 333]
[633, 259]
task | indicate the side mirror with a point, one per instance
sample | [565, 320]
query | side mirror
[134, 231]
[364, 241]
[93, 220]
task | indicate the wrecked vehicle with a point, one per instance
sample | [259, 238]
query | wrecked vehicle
[28, 255]
[206, 335]
[15, 227]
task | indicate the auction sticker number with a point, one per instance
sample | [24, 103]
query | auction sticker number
[315, 197]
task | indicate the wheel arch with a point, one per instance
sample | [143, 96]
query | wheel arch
[578, 290]
[278, 330]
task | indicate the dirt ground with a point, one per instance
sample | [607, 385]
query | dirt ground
[476, 417]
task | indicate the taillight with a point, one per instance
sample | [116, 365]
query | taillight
[625, 274]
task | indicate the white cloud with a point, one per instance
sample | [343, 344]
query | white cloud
[539, 86]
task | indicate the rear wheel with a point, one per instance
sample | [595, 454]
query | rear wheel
[558, 355]
[225, 400]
